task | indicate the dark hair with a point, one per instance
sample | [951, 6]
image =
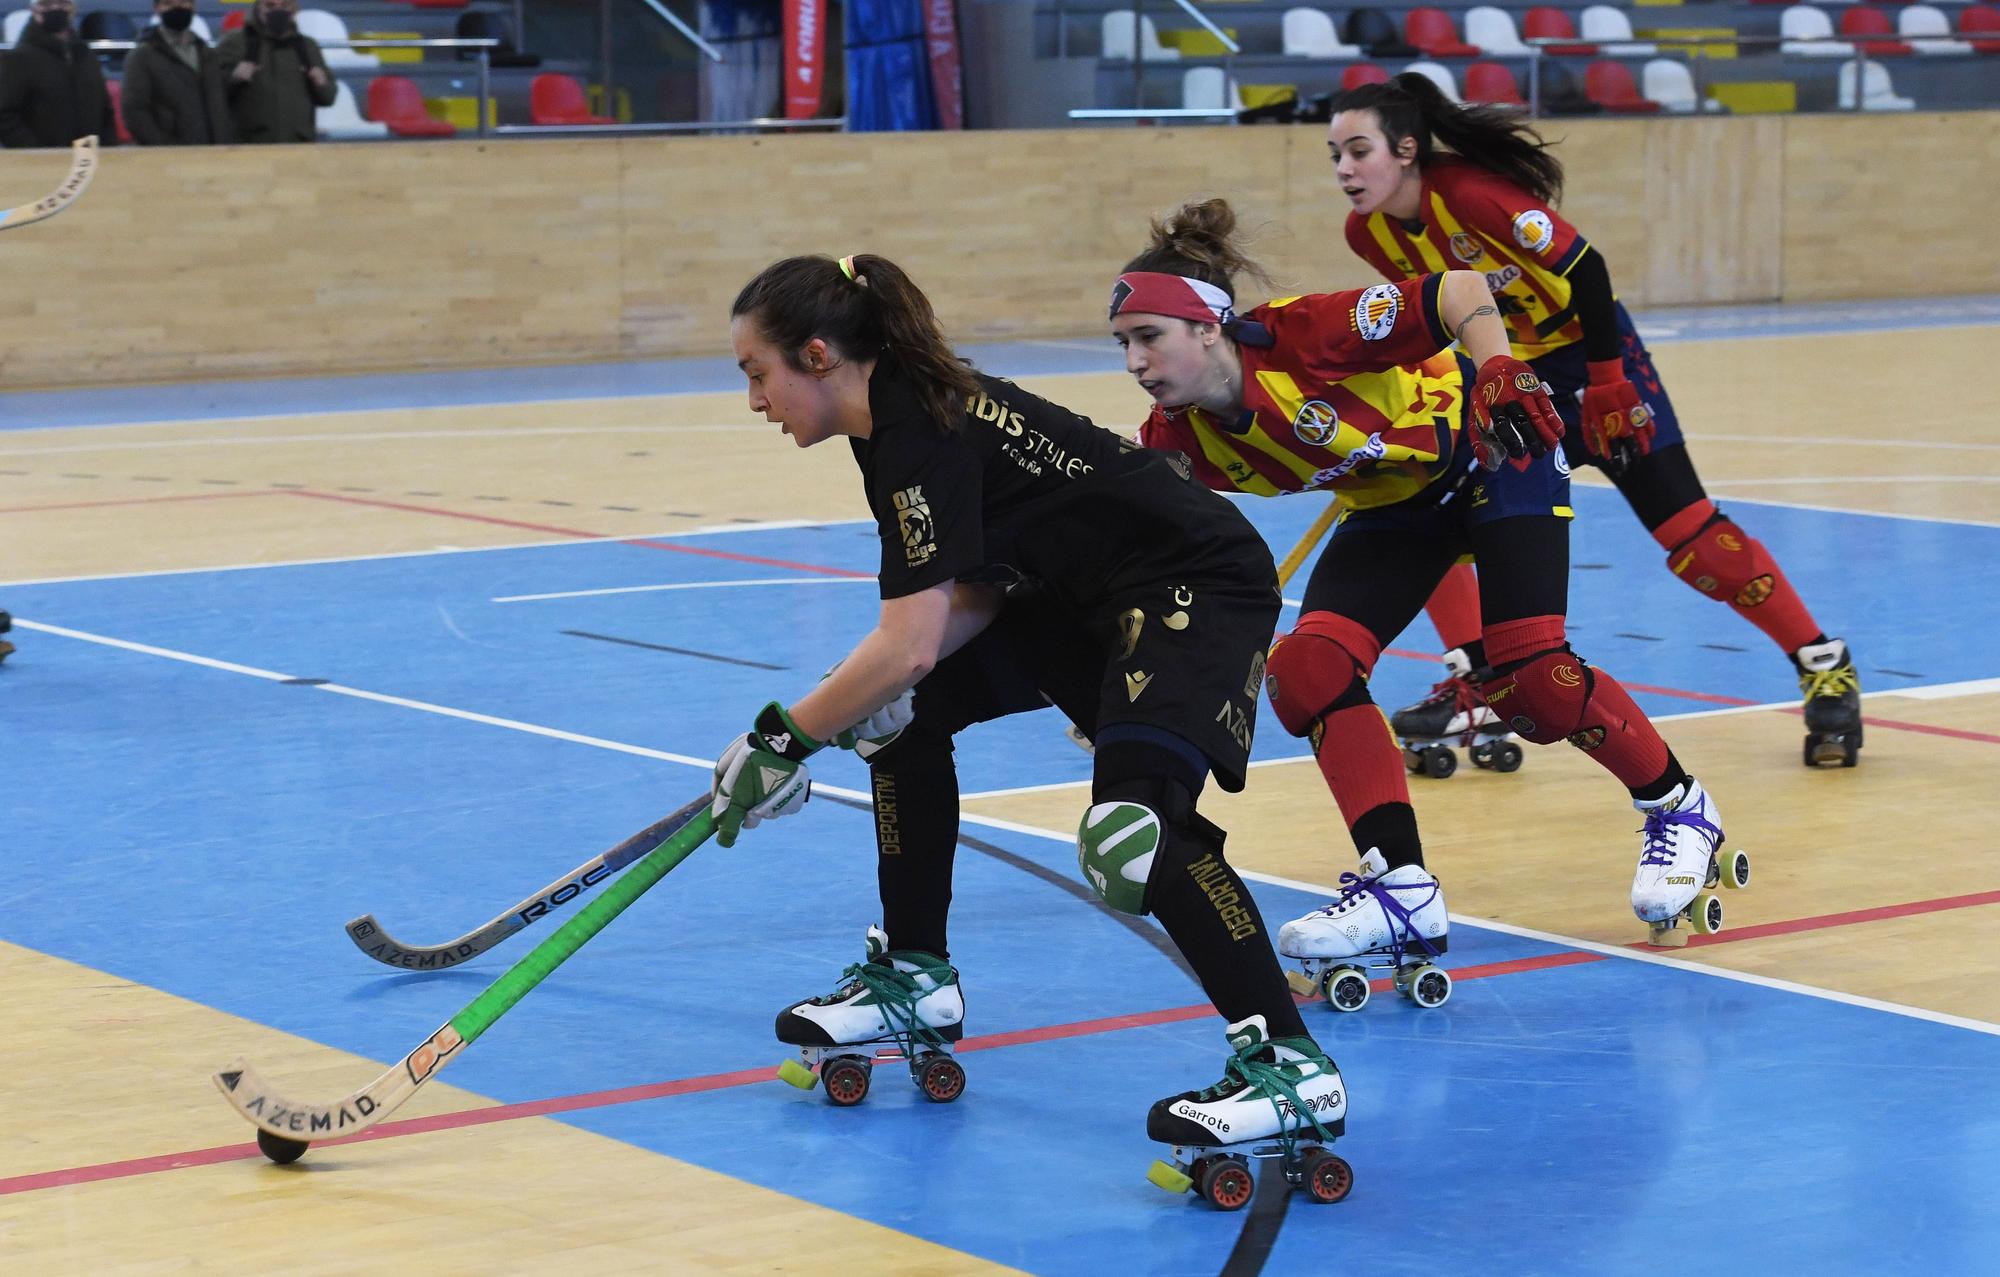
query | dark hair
[1410, 105]
[877, 312]
[1200, 242]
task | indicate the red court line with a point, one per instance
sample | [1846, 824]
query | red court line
[575, 532]
[1045, 1033]
[91, 505]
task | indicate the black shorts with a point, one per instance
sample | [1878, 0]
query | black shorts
[1184, 658]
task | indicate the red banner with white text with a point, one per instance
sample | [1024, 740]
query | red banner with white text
[947, 83]
[805, 57]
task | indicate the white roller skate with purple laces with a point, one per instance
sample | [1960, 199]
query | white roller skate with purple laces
[1383, 919]
[1681, 862]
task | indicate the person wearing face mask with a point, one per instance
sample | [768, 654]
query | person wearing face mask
[174, 93]
[1433, 455]
[1433, 184]
[51, 86]
[276, 76]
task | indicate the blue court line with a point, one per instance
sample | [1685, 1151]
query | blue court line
[281, 396]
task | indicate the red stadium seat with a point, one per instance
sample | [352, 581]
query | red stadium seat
[1360, 73]
[117, 91]
[398, 102]
[1492, 82]
[1981, 20]
[1433, 31]
[1865, 20]
[232, 20]
[1610, 85]
[558, 99]
[1546, 23]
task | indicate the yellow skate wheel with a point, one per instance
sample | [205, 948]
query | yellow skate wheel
[798, 1075]
[1736, 869]
[1705, 915]
[1428, 986]
[1165, 1176]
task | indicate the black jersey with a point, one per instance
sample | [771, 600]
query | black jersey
[1024, 491]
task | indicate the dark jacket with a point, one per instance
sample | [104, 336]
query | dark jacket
[52, 92]
[168, 103]
[277, 105]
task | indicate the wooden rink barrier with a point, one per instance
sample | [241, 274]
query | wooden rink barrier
[205, 262]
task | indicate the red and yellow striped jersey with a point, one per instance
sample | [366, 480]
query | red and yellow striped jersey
[1358, 393]
[1475, 220]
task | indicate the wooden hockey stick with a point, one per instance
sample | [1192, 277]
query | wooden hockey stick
[370, 937]
[285, 1128]
[82, 167]
[1291, 563]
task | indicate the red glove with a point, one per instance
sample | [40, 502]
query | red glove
[1616, 426]
[1512, 417]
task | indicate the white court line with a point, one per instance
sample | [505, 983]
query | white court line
[1696, 968]
[685, 585]
[1842, 480]
[715, 529]
[373, 436]
[1846, 442]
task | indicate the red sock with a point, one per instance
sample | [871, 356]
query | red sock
[1721, 560]
[1361, 761]
[1454, 607]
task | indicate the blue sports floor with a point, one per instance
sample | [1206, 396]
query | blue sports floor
[206, 831]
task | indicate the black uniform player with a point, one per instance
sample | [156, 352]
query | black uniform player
[1028, 558]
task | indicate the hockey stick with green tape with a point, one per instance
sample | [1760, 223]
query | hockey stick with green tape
[286, 1128]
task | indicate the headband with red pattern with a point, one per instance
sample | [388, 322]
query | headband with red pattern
[1175, 296]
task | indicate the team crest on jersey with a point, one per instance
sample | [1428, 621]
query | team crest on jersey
[1467, 249]
[1375, 313]
[913, 519]
[1317, 423]
[1534, 231]
[1562, 462]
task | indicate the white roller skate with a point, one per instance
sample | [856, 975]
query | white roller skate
[1833, 703]
[1385, 920]
[1681, 862]
[1279, 1098]
[897, 1005]
[1454, 713]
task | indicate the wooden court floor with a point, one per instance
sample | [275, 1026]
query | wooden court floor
[1846, 422]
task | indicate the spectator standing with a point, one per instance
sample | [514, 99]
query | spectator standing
[276, 77]
[174, 84]
[51, 86]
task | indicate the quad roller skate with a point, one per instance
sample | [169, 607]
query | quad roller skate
[1279, 1100]
[1383, 920]
[1454, 713]
[1833, 703]
[897, 1005]
[1680, 866]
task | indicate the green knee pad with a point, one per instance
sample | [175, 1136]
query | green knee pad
[1115, 846]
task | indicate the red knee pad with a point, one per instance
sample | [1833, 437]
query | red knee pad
[1316, 666]
[1724, 562]
[1546, 699]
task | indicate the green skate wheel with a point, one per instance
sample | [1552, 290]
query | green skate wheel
[846, 1081]
[798, 1075]
[1227, 1183]
[1736, 870]
[1326, 1177]
[1705, 915]
[1164, 1176]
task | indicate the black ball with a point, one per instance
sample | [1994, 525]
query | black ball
[279, 1149]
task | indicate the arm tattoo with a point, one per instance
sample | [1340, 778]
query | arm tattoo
[1466, 322]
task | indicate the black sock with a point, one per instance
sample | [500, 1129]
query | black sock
[916, 837]
[1392, 829]
[1212, 918]
[1475, 654]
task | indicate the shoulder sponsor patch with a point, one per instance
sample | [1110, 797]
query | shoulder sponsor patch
[1534, 231]
[1467, 249]
[913, 519]
[1375, 312]
[1317, 423]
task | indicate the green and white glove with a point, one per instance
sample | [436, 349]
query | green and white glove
[875, 733]
[762, 775]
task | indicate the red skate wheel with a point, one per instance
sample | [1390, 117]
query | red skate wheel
[1228, 1184]
[845, 1081]
[942, 1079]
[1325, 1176]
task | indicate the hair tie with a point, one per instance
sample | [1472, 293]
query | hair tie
[847, 268]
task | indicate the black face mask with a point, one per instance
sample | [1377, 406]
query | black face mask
[177, 19]
[278, 25]
[55, 21]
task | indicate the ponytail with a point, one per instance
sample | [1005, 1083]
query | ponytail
[1199, 241]
[876, 311]
[1410, 105]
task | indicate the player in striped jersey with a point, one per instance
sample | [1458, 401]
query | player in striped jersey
[1487, 203]
[1432, 455]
